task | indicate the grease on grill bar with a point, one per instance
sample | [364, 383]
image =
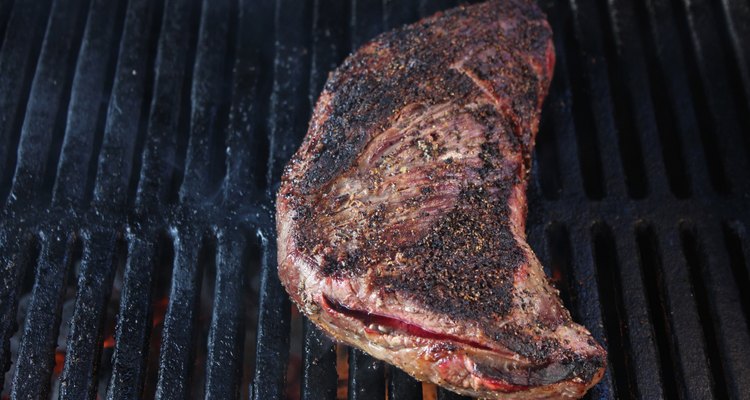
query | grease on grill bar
[141, 142]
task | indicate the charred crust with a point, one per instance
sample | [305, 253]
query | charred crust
[335, 152]
[585, 368]
[525, 344]
[465, 265]
[341, 265]
[566, 367]
[490, 155]
[543, 351]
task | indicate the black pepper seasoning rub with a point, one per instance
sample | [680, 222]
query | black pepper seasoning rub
[466, 263]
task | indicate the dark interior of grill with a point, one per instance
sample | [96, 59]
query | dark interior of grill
[141, 143]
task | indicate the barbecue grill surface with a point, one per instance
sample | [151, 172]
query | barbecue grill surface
[141, 143]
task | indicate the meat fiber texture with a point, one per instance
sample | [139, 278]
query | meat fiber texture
[401, 218]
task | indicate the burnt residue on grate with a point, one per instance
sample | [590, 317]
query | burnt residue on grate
[141, 143]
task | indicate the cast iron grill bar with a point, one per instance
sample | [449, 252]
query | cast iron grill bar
[630, 58]
[586, 138]
[5, 7]
[246, 141]
[223, 364]
[226, 335]
[731, 327]
[272, 348]
[15, 254]
[176, 357]
[257, 45]
[20, 52]
[735, 45]
[48, 99]
[559, 106]
[36, 354]
[48, 88]
[127, 108]
[89, 94]
[633, 299]
[207, 101]
[240, 183]
[177, 348]
[448, 395]
[366, 376]
[397, 13]
[594, 66]
[668, 141]
[289, 108]
[630, 54]
[738, 32]
[696, 263]
[47, 106]
[545, 170]
[685, 322]
[329, 32]
[671, 63]
[650, 260]
[129, 103]
[134, 321]
[429, 7]
[288, 112]
[735, 12]
[714, 73]
[706, 102]
[629, 136]
[173, 70]
[366, 21]
[737, 231]
[401, 386]
[319, 378]
[98, 263]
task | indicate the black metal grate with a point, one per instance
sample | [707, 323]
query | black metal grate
[141, 142]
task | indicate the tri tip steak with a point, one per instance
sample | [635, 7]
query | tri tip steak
[401, 218]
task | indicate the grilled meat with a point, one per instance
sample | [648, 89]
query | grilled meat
[401, 219]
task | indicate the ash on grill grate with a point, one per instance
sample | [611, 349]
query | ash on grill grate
[141, 143]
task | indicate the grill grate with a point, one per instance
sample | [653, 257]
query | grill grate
[141, 142]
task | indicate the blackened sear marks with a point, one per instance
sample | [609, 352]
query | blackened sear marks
[490, 155]
[341, 264]
[336, 153]
[585, 367]
[546, 351]
[465, 266]
[568, 366]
